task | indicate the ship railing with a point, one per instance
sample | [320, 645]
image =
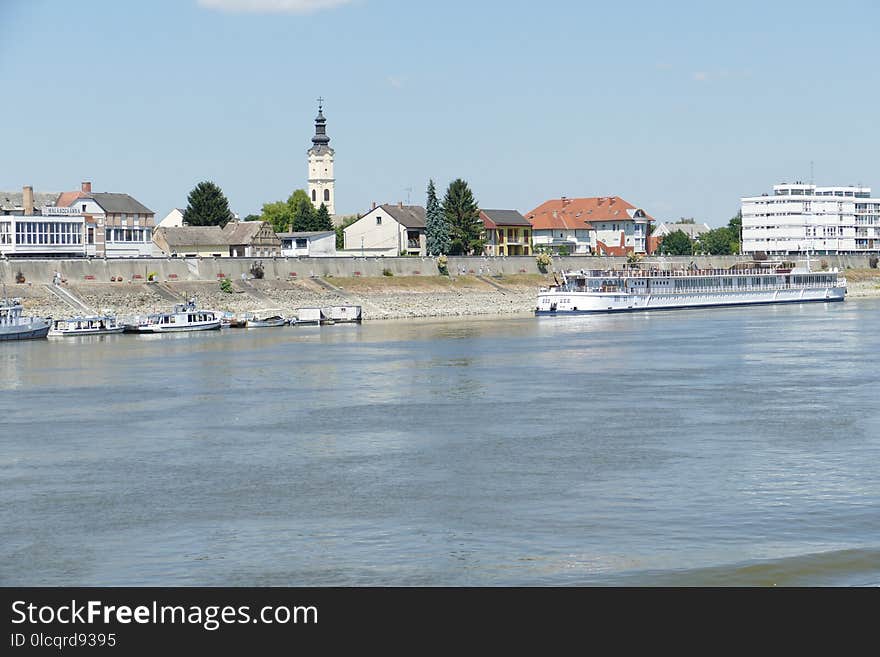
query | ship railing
[682, 273]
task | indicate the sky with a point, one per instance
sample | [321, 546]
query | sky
[680, 108]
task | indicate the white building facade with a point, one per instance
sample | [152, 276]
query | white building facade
[311, 244]
[322, 184]
[803, 218]
[388, 230]
[56, 233]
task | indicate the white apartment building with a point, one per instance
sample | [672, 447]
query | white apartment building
[53, 233]
[804, 218]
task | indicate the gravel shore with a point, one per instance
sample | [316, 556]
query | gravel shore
[380, 299]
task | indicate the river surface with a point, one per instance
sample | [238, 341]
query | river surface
[689, 448]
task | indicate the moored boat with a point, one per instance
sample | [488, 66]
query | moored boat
[185, 317]
[627, 290]
[15, 326]
[94, 325]
[265, 318]
[337, 314]
[306, 316]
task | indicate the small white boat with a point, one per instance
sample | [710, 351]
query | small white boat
[265, 318]
[14, 326]
[184, 317]
[305, 316]
[95, 325]
[338, 314]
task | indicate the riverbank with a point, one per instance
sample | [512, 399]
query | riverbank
[382, 297]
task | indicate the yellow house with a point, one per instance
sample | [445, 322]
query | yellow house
[508, 233]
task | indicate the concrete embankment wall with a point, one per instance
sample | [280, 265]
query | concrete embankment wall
[212, 269]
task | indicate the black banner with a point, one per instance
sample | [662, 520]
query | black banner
[122, 621]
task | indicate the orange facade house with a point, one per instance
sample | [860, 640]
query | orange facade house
[600, 225]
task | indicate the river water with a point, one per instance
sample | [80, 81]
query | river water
[704, 447]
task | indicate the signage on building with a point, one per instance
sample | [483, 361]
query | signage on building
[52, 210]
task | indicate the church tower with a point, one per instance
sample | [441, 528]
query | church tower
[322, 184]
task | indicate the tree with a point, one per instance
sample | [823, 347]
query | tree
[295, 197]
[718, 241]
[735, 225]
[303, 212]
[462, 215]
[436, 228]
[278, 214]
[321, 219]
[677, 243]
[207, 206]
[340, 230]
[253, 217]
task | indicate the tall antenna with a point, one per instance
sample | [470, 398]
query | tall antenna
[407, 190]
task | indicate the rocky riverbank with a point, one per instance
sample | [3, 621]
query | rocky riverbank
[380, 298]
[392, 297]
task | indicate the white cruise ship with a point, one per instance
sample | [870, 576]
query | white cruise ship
[628, 290]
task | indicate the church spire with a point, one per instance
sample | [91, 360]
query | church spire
[320, 138]
[322, 184]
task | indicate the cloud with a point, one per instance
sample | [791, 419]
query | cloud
[701, 76]
[272, 6]
[396, 81]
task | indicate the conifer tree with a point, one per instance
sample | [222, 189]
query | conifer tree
[436, 229]
[303, 215]
[463, 217]
[321, 220]
[207, 206]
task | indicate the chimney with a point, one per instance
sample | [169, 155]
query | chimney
[400, 204]
[87, 187]
[27, 200]
[374, 206]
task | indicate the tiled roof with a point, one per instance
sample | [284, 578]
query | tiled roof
[410, 216]
[495, 218]
[13, 200]
[242, 232]
[577, 213]
[110, 202]
[691, 230]
[66, 199]
[192, 235]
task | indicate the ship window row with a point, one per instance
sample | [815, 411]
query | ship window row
[47, 232]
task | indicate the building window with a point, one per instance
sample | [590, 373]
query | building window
[378, 221]
[326, 194]
[302, 243]
[314, 196]
[83, 207]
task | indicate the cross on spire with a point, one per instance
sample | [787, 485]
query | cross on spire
[320, 103]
